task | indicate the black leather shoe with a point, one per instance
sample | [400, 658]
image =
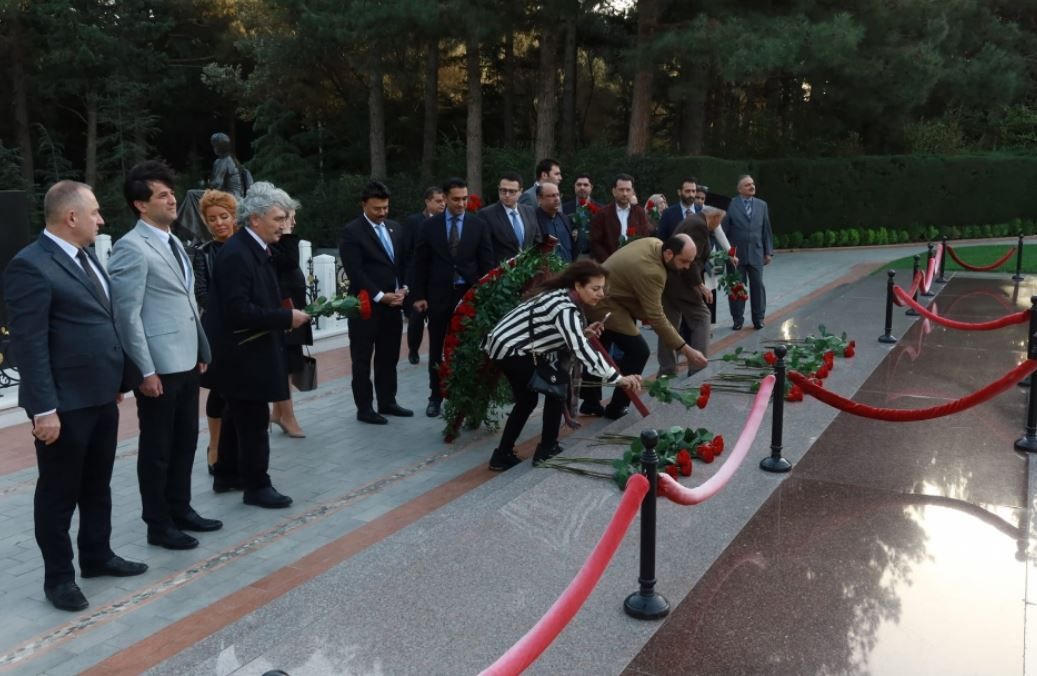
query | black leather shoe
[171, 538]
[66, 596]
[757, 325]
[433, 409]
[500, 462]
[592, 408]
[115, 567]
[221, 485]
[371, 417]
[268, 498]
[196, 522]
[542, 453]
[395, 409]
[615, 413]
[414, 358]
[737, 326]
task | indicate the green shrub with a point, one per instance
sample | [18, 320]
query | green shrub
[853, 237]
[870, 237]
[796, 239]
[816, 240]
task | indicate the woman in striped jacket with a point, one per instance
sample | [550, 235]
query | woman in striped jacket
[558, 330]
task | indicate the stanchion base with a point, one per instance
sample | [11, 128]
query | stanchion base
[887, 338]
[940, 280]
[1017, 278]
[1028, 444]
[911, 313]
[1025, 382]
[776, 465]
[928, 294]
[646, 606]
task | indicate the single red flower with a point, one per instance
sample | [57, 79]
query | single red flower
[685, 467]
[795, 394]
[706, 389]
[702, 401]
[770, 357]
[823, 372]
[732, 296]
[733, 251]
[593, 207]
[581, 202]
[466, 310]
[631, 232]
[718, 444]
[683, 456]
[365, 304]
[829, 359]
[672, 470]
[474, 203]
[455, 323]
[849, 351]
[469, 295]
[704, 452]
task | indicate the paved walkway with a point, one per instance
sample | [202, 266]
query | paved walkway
[355, 486]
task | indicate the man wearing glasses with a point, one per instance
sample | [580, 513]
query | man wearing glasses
[513, 226]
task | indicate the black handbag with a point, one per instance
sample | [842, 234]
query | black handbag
[305, 379]
[550, 378]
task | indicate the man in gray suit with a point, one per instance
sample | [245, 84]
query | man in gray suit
[513, 226]
[72, 372]
[158, 321]
[748, 227]
[547, 171]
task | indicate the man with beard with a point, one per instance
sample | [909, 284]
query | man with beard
[637, 277]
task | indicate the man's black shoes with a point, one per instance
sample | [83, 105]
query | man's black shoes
[196, 522]
[615, 412]
[371, 417]
[267, 498]
[592, 408]
[66, 596]
[500, 462]
[171, 538]
[545, 453]
[413, 357]
[396, 410]
[433, 409]
[114, 567]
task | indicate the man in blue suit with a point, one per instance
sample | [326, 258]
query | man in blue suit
[673, 215]
[72, 372]
[748, 227]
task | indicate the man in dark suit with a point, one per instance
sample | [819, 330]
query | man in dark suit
[434, 205]
[513, 226]
[375, 260]
[247, 323]
[685, 206]
[454, 250]
[554, 223]
[72, 368]
[583, 188]
[161, 330]
[748, 228]
[617, 221]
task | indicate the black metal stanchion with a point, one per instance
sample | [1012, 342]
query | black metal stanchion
[888, 336]
[774, 462]
[943, 262]
[1018, 276]
[929, 292]
[914, 275]
[1028, 442]
[646, 603]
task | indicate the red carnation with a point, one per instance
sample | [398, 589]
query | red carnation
[631, 232]
[718, 444]
[795, 394]
[594, 208]
[365, 304]
[466, 310]
[770, 357]
[704, 452]
[581, 202]
[823, 372]
[683, 455]
[829, 359]
[455, 323]
[469, 295]
[732, 252]
[702, 401]
[474, 203]
[672, 470]
[849, 351]
[706, 389]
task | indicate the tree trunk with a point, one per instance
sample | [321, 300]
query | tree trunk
[569, 89]
[431, 123]
[473, 134]
[376, 118]
[509, 89]
[641, 96]
[547, 99]
[20, 101]
[693, 111]
[90, 171]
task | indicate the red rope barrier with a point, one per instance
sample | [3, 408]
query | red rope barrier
[985, 268]
[536, 641]
[915, 283]
[1007, 320]
[995, 388]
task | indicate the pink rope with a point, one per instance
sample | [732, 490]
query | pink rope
[916, 282]
[1001, 322]
[671, 489]
[536, 641]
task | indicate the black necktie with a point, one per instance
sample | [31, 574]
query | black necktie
[455, 235]
[176, 254]
[94, 280]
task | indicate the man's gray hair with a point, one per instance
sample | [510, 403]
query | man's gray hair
[63, 197]
[261, 198]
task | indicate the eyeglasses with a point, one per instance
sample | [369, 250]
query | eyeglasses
[507, 191]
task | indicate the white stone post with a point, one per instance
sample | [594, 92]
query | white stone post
[103, 249]
[324, 272]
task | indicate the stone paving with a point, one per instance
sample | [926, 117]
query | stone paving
[347, 477]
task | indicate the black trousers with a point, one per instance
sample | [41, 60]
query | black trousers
[76, 471]
[757, 296]
[168, 439]
[518, 370]
[244, 452]
[635, 356]
[377, 337]
[415, 327]
[438, 323]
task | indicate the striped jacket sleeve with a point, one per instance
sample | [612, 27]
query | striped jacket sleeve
[571, 329]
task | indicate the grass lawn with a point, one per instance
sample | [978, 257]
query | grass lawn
[982, 254]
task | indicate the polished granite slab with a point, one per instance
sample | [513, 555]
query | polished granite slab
[893, 548]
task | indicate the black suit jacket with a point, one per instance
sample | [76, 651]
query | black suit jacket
[505, 245]
[62, 335]
[435, 268]
[366, 263]
[243, 301]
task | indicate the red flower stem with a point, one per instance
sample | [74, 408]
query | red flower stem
[634, 399]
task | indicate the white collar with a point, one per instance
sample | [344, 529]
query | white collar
[256, 237]
[159, 232]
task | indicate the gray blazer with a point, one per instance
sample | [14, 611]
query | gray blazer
[504, 243]
[62, 335]
[155, 309]
[754, 240]
[529, 197]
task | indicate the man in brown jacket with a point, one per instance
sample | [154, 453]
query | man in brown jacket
[687, 297]
[637, 277]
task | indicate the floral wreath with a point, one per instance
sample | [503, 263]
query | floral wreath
[469, 380]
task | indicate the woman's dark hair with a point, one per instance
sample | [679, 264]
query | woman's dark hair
[579, 272]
